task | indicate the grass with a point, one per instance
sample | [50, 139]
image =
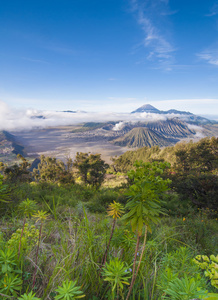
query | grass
[75, 236]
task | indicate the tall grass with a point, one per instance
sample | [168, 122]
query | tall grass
[74, 240]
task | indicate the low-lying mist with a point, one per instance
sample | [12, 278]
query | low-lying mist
[13, 119]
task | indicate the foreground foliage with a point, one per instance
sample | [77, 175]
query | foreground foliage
[62, 240]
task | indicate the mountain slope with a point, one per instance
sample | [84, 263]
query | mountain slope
[171, 128]
[141, 137]
[9, 145]
[146, 108]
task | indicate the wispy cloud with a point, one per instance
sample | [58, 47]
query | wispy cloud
[60, 49]
[169, 13]
[210, 56]
[35, 60]
[156, 40]
[213, 10]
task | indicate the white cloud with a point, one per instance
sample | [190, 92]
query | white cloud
[210, 56]
[156, 40]
[15, 120]
[198, 130]
[213, 10]
[25, 119]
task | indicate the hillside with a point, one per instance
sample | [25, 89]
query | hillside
[141, 137]
[9, 147]
[171, 128]
[125, 161]
[5, 144]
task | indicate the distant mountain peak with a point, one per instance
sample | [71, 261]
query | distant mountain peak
[183, 115]
[146, 108]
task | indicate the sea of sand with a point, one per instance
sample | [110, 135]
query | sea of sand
[61, 143]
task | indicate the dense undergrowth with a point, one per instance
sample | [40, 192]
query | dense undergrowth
[77, 230]
[60, 241]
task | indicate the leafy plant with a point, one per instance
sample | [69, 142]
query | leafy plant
[69, 291]
[41, 216]
[4, 191]
[8, 261]
[210, 265]
[210, 296]
[27, 208]
[28, 240]
[10, 284]
[117, 273]
[29, 296]
[115, 210]
[185, 289]
[144, 203]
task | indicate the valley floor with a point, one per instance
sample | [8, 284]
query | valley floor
[61, 143]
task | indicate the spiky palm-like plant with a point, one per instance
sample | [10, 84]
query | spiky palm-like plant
[117, 273]
[144, 204]
[27, 208]
[185, 289]
[69, 291]
[29, 296]
[40, 216]
[115, 210]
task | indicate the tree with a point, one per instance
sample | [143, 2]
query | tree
[195, 177]
[198, 157]
[81, 162]
[97, 170]
[18, 172]
[52, 170]
[91, 168]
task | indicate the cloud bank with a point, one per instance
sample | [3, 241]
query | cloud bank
[12, 119]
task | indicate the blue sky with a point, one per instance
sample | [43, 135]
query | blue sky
[109, 55]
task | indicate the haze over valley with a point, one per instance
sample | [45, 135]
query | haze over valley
[63, 134]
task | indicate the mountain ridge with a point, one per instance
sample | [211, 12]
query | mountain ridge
[143, 137]
[191, 118]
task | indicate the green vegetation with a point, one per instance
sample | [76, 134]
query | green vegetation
[65, 233]
[173, 155]
[91, 168]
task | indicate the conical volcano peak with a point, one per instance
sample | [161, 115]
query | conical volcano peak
[146, 108]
